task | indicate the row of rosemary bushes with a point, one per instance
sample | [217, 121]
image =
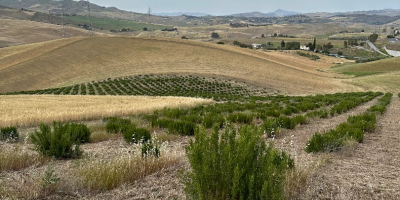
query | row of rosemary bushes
[273, 113]
[353, 129]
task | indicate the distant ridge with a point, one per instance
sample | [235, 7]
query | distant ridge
[277, 13]
[196, 14]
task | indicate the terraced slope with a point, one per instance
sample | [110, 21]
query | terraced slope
[81, 60]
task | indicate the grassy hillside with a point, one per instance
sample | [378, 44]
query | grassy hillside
[80, 60]
[378, 75]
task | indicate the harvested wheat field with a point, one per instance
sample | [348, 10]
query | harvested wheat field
[25, 110]
[81, 60]
[21, 32]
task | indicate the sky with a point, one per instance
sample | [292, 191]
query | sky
[225, 7]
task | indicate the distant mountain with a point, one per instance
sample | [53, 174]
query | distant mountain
[284, 13]
[277, 13]
[196, 14]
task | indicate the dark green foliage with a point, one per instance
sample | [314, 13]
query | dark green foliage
[220, 42]
[9, 134]
[136, 135]
[214, 35]
[240, 118]
[117, 125]
[382, 103]
[59, 143]
[323, 143]
[270, 127]
[237, 165]
[373, 37]
[212, 119]
[182, 128]
[353, 129]
[80, 132]
[311, 56]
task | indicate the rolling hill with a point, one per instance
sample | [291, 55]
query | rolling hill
[79, 60]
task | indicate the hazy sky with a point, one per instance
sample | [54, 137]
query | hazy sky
[223, 7]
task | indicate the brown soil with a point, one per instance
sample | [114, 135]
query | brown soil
[371, 171]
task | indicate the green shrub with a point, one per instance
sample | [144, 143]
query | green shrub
[9, 134]
[270, 127]
[117, 125]
[182, 128]
[323, 142]
[237, 165]
[80, 132]
[136, 135]
[151, 148]
[240, 118]
[211, 119]
[59, 143]
[286, 122]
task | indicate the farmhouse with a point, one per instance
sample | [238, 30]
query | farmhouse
[256, 46]
[305, 48]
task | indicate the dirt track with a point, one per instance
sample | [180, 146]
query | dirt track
[371, 171]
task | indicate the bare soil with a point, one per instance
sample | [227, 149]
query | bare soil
[371, 171]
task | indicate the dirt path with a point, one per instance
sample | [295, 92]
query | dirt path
[371, 171]
[295, 141]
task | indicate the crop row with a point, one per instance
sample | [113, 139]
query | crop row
[270, 113]
[353, 129]
[162, 85]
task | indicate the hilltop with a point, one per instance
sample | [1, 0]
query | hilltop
[79, 60]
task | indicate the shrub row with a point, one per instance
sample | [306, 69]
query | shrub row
[179, 127]
[131, 133]
[382, 103]
[353, 129]
[311, 56]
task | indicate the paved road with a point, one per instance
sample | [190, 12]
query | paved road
[374, 48]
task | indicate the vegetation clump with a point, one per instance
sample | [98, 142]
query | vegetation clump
[311, 56]
[235, 165]
[61, 143]
[9, 134]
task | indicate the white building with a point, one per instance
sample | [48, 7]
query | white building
[305, 48]
[256, 46]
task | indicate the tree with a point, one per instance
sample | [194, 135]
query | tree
[345, 44]
[314, 44]
[262, 35]
[214, 35]
[145, 29]
[283, 44]
[311, 46]
[373, 37]
[340, 53]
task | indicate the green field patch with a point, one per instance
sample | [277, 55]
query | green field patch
[358, 74]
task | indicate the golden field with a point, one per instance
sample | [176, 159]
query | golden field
[30, 110]
[80, 60]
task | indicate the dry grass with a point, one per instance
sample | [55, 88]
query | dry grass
[13, 158]
[20, 32]
[25, 110]
[79, 60]
[129, 167]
